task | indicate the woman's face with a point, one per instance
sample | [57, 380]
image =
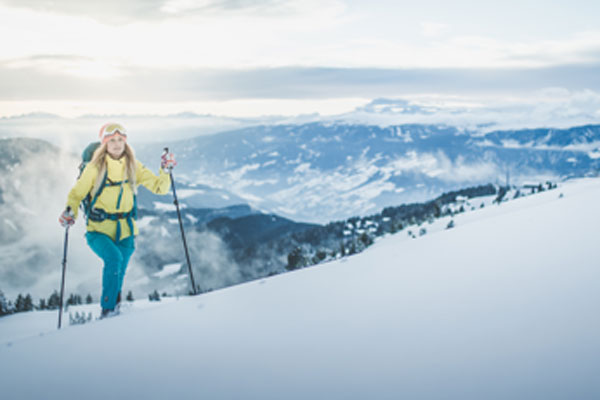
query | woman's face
[116, 146]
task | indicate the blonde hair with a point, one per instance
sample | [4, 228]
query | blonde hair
[98, 160]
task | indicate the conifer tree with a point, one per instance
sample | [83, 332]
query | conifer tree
[4, 309]
[20, 303]
[88, 299]
[130, 296]
[154, 296]
[74, 300]
[352, 250]
[366, 239]
[295, 259]
[28, 303]
[54, 301]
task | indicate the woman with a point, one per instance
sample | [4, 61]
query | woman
[109, 182]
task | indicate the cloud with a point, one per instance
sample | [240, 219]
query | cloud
[160, 244]
[33, 261]
[257, 7]
[109, 12]
[242, 34]
[433, 29]
[36, 79]
[578, 48]
[117, 12]
[76, 66]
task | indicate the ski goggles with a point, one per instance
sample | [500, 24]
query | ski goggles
[111, 129]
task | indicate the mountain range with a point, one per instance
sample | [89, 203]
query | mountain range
[318, 172]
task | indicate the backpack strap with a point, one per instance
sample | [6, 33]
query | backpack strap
[95, 198]
[99, 215]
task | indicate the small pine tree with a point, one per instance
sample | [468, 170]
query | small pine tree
[4, 309]
[154, 296]
[79, 319]
[89, 299]
[295, 259]
[11, 307]
[366, 239]
[28, 303]
[54, 301]
[319, 256]
[353, 249]
[42, 305]
[130, 296]
[20, 303]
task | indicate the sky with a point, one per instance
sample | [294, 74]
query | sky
[248, 58]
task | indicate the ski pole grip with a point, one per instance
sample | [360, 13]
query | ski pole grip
[68, 210]
[164, 163]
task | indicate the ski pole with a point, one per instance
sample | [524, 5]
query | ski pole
[64, 271]
[185, 247]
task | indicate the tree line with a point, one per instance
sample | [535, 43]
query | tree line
[322, 243]
[352, 236]
[24, 303]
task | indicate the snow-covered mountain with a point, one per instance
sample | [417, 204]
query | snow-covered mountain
[501, 306]
[320, 172]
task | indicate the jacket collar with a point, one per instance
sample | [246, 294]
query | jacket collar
[116, 168]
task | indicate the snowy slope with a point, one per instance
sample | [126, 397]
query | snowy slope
[503, 306]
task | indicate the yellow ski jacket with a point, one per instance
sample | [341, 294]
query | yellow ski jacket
[108, 198]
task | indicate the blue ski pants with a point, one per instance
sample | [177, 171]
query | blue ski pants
[116, 256]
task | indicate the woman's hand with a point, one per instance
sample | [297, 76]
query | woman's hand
[167, 161]
[67, 218]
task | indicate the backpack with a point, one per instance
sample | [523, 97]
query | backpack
[86, 157]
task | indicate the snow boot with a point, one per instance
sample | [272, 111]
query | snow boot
[107, 313]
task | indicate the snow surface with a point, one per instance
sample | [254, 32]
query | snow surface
[503, 306]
